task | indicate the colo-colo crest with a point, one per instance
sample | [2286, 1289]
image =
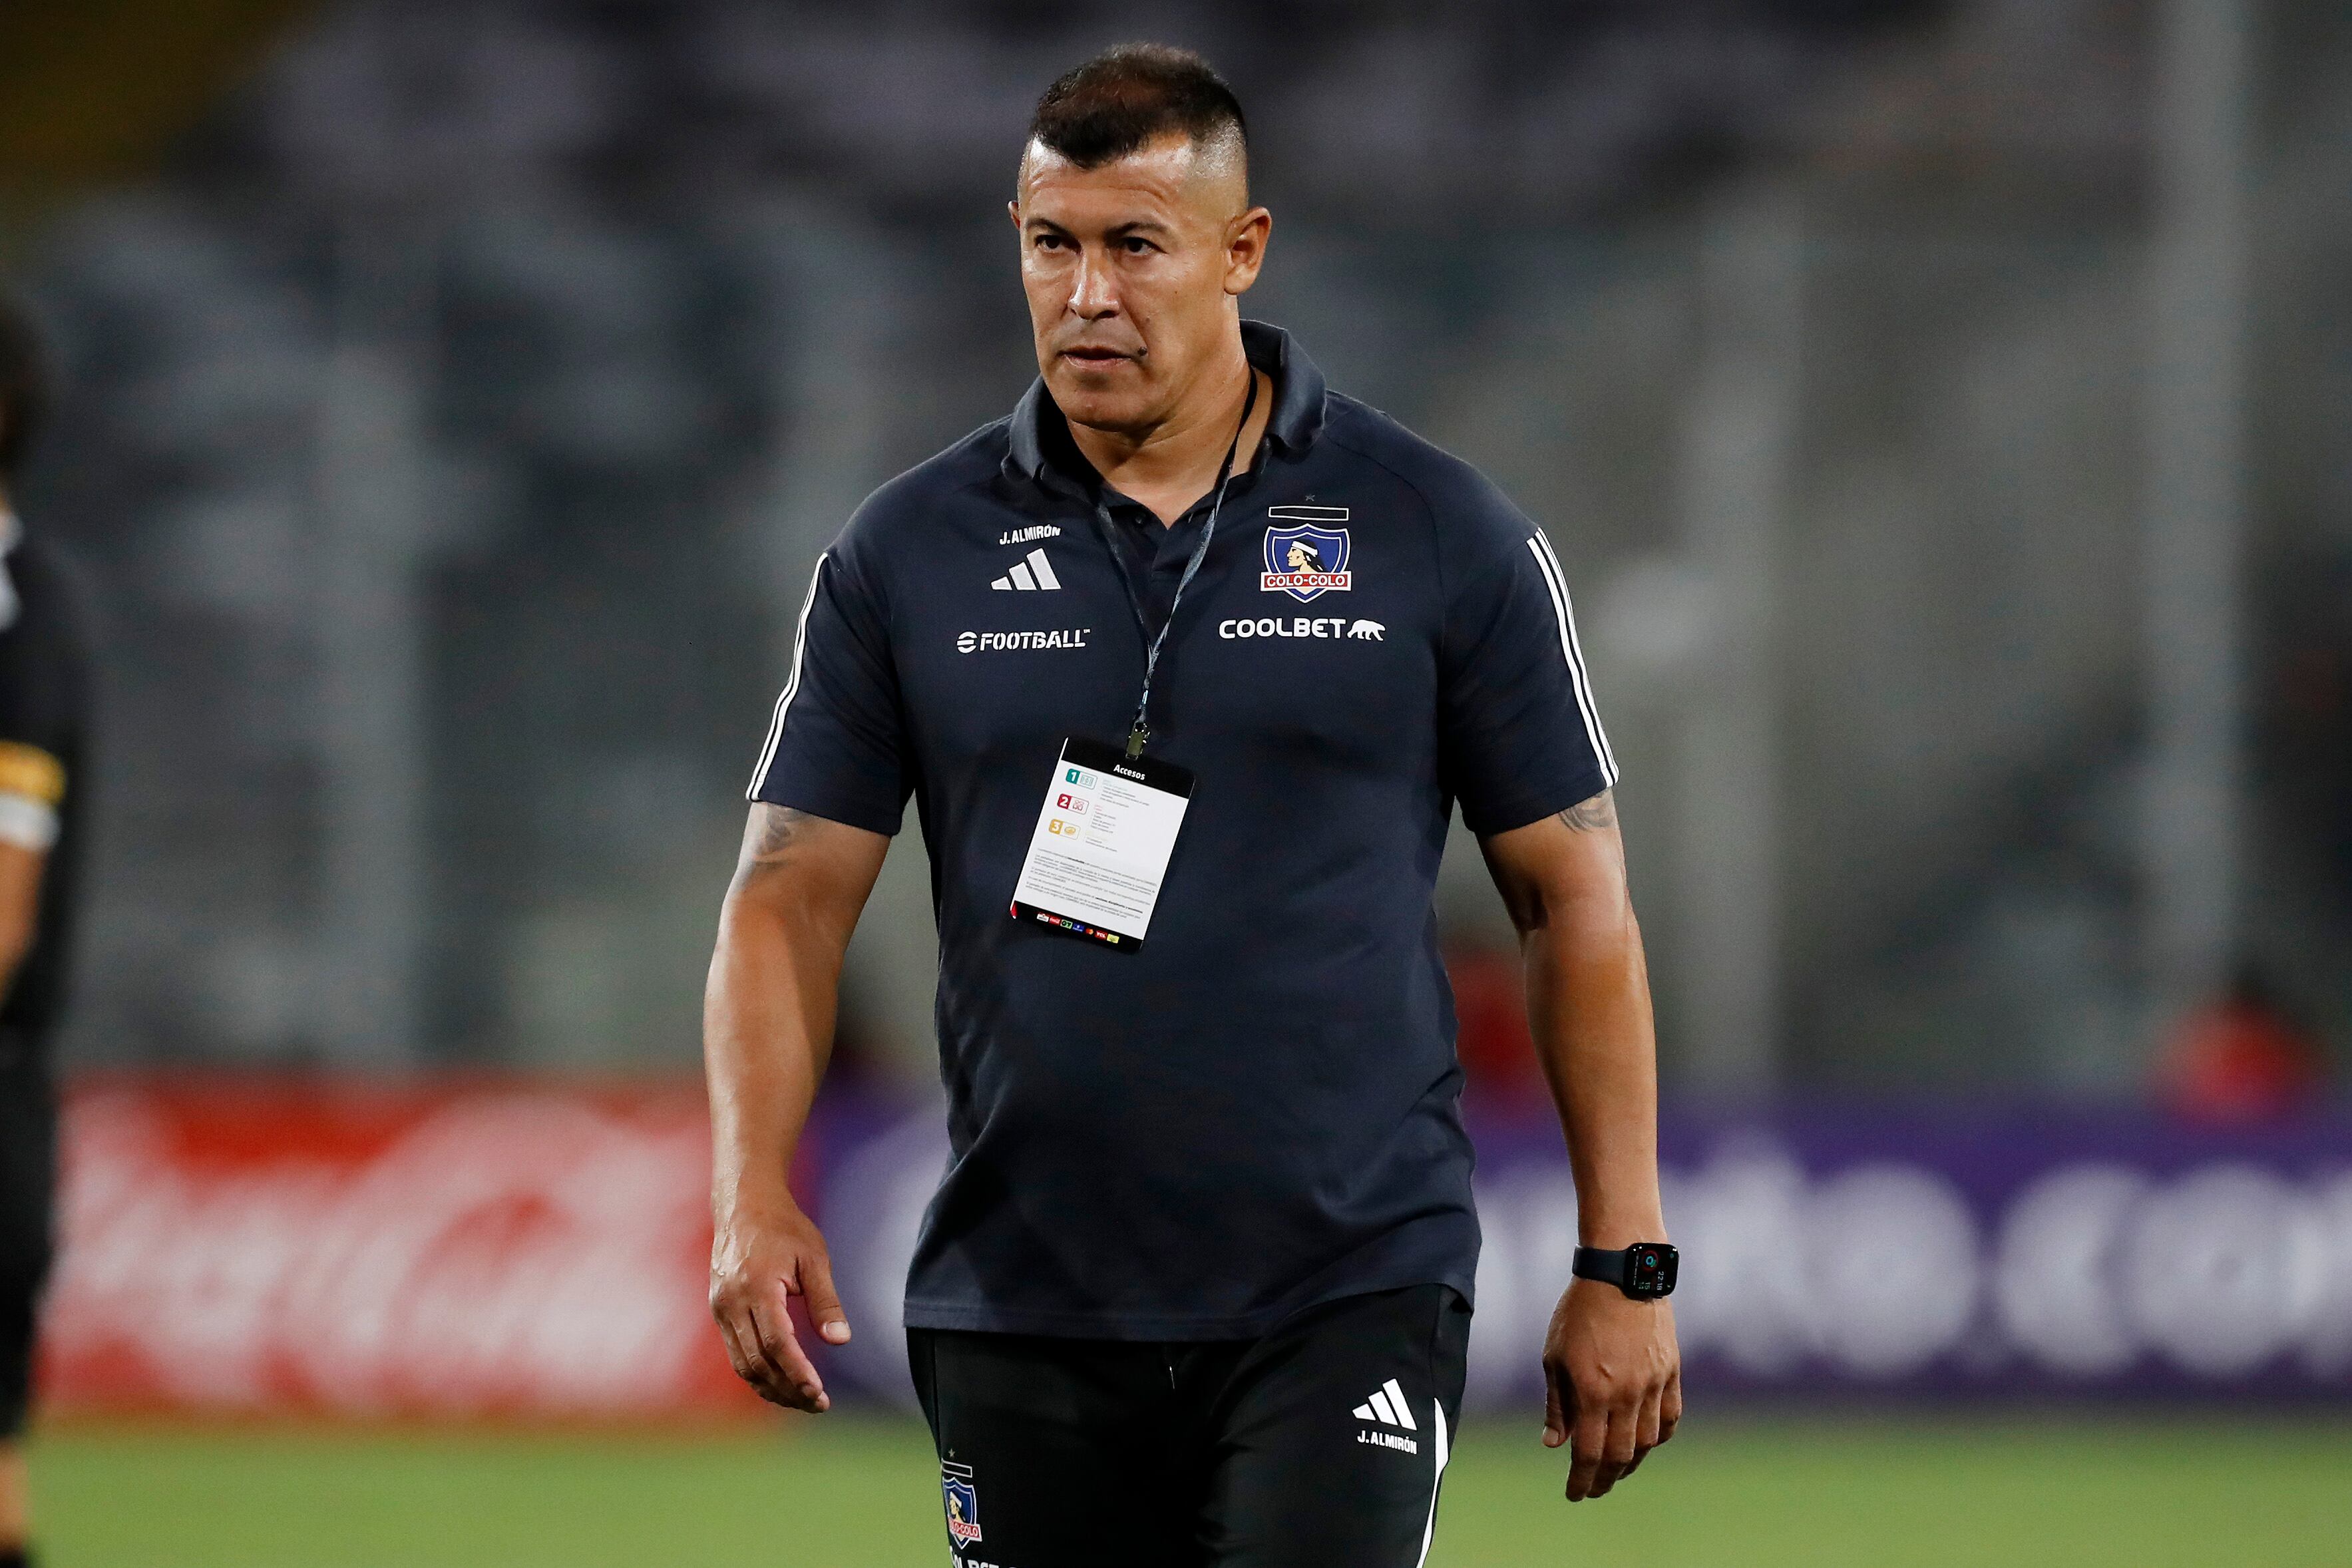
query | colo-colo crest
[963, 1504]
[1309, 560]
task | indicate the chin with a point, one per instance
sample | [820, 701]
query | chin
[1101, 400]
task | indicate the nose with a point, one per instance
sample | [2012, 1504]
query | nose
[1094, 294]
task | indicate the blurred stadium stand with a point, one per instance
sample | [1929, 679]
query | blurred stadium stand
[454, 417]
[94, 89]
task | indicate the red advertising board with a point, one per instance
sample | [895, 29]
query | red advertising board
[532, 1250]
[310, 1247]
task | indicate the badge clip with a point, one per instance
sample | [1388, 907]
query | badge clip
[1135, 740]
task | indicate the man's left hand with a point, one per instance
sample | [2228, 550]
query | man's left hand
[1612, 1383]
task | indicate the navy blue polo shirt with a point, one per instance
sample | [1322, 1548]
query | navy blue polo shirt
[1259, 1109]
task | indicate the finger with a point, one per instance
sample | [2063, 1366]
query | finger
[1555, 1428]
[791, 1374]
[795, 1374]
[751, 1363]
[824, 1301]
[735, 1356]
[755, 1367]
[1618, 1447]
[1645, 1430]
[1588, 1447]
[1651, 1421]
[1670, 1406]
[744, 1347]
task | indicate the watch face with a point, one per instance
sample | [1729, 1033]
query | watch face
[1651, 1271]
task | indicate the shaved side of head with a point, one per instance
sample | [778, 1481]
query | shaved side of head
[1136, 97]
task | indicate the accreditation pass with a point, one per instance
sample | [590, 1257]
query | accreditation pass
[1103, 840]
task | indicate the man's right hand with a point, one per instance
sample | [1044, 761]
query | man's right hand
[757, 1263]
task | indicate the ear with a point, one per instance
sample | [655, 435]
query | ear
[1246, 241]
[1012, 211]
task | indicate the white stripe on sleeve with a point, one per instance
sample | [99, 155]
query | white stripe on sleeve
[1555, 583]
[27, 823]
[791, 684]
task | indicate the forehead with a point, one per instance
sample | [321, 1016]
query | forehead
[1169, 180]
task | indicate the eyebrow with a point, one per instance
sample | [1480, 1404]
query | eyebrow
[1137, 225]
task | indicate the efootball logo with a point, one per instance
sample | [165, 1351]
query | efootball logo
[1310, 560]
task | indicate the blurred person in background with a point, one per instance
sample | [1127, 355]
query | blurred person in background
[43, 704]
[2242, 1057]
[1196, 1286]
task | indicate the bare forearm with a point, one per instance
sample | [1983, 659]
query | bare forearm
[1613, 1375]
[1564, 880]
[767, 1026]
[1588, 1007]
[767, 1030]
[768, 1010]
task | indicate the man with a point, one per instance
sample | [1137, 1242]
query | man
[1195, 1287]
[44, 697]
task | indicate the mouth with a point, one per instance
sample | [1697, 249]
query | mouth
[1095, 358]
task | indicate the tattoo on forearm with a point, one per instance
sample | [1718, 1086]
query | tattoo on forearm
[1591, 816]
[770, 832]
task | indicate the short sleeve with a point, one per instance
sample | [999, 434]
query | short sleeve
[1521, 736]
[836, 746]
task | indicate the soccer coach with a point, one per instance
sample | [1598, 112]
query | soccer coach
[1185, 664]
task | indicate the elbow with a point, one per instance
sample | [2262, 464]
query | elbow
[767, 913]
[1581, 916]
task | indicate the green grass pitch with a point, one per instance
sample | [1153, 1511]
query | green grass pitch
[848, 1492]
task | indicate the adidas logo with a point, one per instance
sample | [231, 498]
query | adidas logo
[1388, 1407]
[1029, 577]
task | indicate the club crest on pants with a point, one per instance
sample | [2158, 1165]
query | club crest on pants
[962, 1504]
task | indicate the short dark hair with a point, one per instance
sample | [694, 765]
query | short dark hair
[1125, 98]
[24, 384]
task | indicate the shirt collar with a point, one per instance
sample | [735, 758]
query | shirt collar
[1041, 443]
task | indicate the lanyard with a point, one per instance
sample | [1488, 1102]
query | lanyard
[1140, 733]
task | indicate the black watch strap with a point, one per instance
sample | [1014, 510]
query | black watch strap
[1644, 1271]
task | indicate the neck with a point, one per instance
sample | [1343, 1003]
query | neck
[1173, 463]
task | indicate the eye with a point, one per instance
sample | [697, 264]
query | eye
[1138, 246]
[1047, 241]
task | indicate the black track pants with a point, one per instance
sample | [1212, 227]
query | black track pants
[1320, 1444]
[28, 1150]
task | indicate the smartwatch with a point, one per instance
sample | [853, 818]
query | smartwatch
[1644, 1271]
